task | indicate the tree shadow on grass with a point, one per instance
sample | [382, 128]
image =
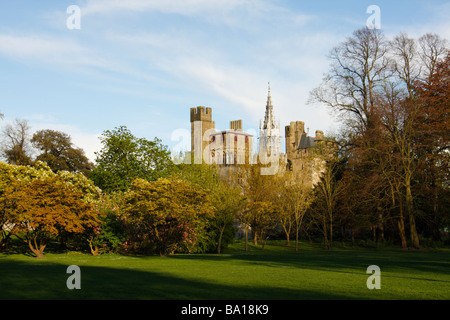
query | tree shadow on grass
[350, 262]
[47, 281]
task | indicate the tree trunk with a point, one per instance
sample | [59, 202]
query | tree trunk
[220, 239]
[38, 250]
[94, 248]
[413, 230]
[288, 243]
[401, 229]
[412, 220]
[331, 229]
[246, 238]
[325, 231]
[380, 225]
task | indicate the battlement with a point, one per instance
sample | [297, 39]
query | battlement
[319, 134]
[295, 126]
[201, 114]
[236, 125]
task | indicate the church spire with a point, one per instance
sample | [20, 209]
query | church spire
[269, 120]
[269, 131]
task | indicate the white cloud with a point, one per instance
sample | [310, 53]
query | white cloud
[183, 7]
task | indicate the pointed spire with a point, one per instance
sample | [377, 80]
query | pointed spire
[269, 98]
[269, 138]
[269, 119]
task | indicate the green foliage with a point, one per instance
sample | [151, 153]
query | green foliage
[22, 176]
[109, 234]
[226, 199]
[39, 210]
[125, 157]
[165, 216]
[58, 151]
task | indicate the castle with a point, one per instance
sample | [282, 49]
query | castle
[234, 146]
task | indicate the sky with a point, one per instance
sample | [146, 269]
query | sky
[144, 63]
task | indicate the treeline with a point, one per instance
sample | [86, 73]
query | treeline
[387, 184]
[135, 201]
[392, 96]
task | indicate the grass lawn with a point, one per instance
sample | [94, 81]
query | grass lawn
[275, 273]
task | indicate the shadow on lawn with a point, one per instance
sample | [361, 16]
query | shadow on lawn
[47, 280]
[30, 281]
[352, 261]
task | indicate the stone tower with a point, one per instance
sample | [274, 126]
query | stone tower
[201, 128]
[269, 132]
[293, 133]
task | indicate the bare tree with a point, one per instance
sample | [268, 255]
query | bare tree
[433, 50]
[406, 61]
[16, 147]
[359, 66]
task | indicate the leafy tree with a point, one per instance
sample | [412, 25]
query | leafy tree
[261, 205]
[10, 174]
[58, 151]
[433, 96]
[327, 193]
[109, 234]
[227, 200]
[125, 158]
[295, 197]
[166, 215]
[41, 209]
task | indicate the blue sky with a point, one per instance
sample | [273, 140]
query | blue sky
[145, 63]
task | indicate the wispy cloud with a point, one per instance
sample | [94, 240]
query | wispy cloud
[181, 7]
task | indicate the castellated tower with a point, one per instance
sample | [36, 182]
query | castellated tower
[293, 133]
[201, 124]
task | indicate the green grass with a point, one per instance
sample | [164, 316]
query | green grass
[275, 273]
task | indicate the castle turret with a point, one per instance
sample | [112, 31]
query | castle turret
[293, 134]
[201, 123]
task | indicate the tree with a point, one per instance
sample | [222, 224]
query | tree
[359, 67]
[10, 174]
[228, 202]
[125, 158]
[109, 234]
[226, 198]
[433, 97]
[58, 151]
[295, 198]
[16, 149]
[327, 193]
[433, 50]
[393, 139]
[166, 215]
[261, 207]
[42, 209]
